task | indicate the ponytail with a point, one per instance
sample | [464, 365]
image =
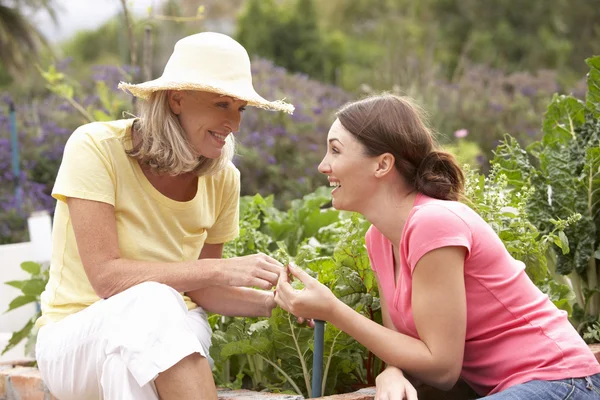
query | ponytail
[439, 176]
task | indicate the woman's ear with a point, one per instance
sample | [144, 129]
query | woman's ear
[385, 163]
[175, 97]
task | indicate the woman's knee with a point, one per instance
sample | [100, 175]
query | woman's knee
[154, 296]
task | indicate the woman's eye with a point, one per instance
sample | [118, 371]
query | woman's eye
[334, 150]
[223, 105]
[242, 109]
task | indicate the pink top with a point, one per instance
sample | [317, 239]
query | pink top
[514, 332]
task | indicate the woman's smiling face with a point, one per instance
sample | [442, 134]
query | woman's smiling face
[207, 119]
[348, 169]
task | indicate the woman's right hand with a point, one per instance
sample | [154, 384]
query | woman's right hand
[256, 270]
[391, 384]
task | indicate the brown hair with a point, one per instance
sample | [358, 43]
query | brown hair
[392, 124]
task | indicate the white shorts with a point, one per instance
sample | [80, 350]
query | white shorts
[115, 348]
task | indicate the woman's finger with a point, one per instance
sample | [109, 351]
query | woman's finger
[271, 260]
[268, 276]
[283, 287]
[411, 393]
[300, 274]
[280, 300]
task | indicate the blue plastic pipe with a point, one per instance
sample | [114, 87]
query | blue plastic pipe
[317, 371]
[16, 165]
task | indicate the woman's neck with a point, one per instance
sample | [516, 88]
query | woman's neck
[388, 211]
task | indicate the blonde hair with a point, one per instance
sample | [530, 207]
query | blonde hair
[164, 146]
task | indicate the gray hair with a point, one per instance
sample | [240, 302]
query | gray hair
[164, 146]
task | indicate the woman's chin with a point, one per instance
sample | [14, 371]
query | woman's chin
[210, 154]
[338, 205]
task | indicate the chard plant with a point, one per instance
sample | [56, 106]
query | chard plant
[563, 171]
[276, 353]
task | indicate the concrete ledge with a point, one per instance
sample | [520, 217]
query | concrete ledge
[22, 382]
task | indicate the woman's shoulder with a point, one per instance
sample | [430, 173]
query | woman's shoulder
[99, 131]
[225, 176]
[434, 209]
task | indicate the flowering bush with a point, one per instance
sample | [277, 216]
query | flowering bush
[43, 127]
[485, 102]
[279, 154]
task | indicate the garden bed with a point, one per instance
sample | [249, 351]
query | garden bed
[20, 382]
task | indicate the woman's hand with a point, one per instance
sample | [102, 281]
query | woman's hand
[270, 303]
[315, 301]
[392, 385]
[256, 270]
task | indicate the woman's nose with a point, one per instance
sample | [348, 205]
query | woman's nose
[324, 167]
[233, 121]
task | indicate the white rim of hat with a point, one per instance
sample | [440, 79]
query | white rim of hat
[210, 62]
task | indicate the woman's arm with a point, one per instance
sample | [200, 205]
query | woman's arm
[228, 300]
[439, 310]
[95, 229]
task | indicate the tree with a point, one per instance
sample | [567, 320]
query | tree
[289, 34]
[20, 40]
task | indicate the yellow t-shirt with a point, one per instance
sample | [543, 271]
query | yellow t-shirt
[150, 226]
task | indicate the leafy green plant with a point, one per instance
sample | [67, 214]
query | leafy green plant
[276, 353]
[563, 169]
[31, 290]
[505, 209]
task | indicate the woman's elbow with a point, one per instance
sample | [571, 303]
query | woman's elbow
[101, 280]
[446, 379]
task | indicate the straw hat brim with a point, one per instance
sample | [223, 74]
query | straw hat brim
[145, 89]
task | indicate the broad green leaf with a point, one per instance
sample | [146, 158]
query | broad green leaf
[564, 114]
[16, 337]
[246, 346]
[31, 267]
[20, 301]
[259, 327]
[593, 81]
[34, 287]
[16, 284]
[563, 242]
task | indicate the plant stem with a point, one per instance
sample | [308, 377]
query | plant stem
[576, 281]
[301, 357]
[592, 281]
[79, 108]
[329, 357]
[282, 372]
[252, 370]
[592, 276]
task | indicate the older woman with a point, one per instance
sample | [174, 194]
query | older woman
[454, 302]
[144, 208]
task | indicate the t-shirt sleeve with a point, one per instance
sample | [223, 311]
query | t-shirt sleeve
[86, 171]
[433, 227]
[227, 223]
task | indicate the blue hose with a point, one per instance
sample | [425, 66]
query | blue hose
[317, 371]
[16, 165]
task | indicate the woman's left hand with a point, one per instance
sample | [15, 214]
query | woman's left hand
[315, 301]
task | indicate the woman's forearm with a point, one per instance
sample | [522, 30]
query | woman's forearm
[120, 274]
[394, 348]
[233, 301]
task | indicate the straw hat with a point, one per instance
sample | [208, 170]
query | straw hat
[210, 62]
